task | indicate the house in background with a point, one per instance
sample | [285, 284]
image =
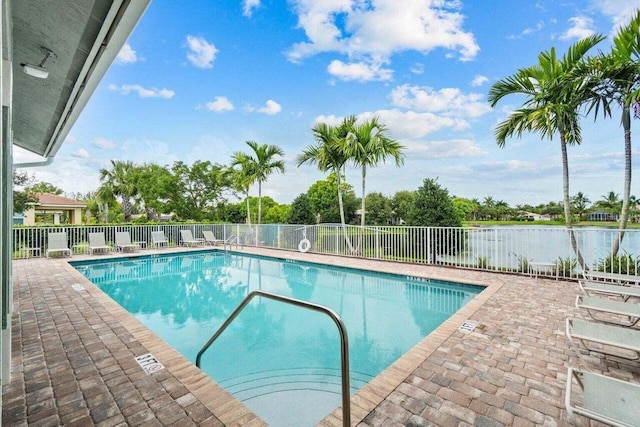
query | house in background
[603, 216]
[52, 209]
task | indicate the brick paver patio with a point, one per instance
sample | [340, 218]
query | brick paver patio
[73, 359]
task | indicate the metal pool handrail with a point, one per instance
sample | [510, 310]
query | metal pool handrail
[344, 340]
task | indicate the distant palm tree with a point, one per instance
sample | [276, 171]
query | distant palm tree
[580, 204]
[260, 165]
[119, 181]
[242, 177]
[553, 99]
[367, 145]
[611, 202]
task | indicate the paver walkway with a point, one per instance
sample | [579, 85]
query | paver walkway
[74, 348]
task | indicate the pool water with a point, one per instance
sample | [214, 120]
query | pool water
[282, 361]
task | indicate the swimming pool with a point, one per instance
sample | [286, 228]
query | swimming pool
[275, 355]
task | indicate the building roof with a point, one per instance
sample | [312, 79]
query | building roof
[51, 200]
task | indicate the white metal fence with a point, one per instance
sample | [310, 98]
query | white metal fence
[527, 249]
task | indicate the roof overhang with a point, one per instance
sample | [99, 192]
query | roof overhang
[85, 36]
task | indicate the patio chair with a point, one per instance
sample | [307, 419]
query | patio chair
[605, 399]
[98, 244]
[606, 336]
[210, 238]
[158, 239]
[189, 240]
[57, 242]
[621, 279]
[123, 242]
[625, 313]
[625, 292]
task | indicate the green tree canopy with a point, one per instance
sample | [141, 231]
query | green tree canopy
[378, 209]
[432, 206]
[322, 200]
[301, 212]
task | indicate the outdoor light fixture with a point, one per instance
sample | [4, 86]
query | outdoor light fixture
[38, 70]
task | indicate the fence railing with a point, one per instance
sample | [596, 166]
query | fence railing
[527, 249]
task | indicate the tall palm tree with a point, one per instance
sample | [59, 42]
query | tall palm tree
[119, 181]
[619, 75]
[367, 145]
[553, 99]
[330, 157]
[260, 165]
[242, 178]
[580, 204]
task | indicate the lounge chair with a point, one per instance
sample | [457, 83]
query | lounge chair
[158, 239]
[601, 276]
[626, 313]
[97, 243]
[625, 292]
[123, 242]
[605, 399]
[189, 240]
[607, 335]
[57, 242]
[210, 238]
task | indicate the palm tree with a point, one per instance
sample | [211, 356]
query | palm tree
[242, 177]
[259, 166]
[367, 145]
[553, 99]
[619, 74]
[329, 157]
[580, 204]
[119, 181]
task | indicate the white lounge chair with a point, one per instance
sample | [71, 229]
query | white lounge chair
[210, 238]
[601, 276]
[625, 292]
[57, 242]
[97, 243]
[626, 313]
[189, 240]
[605, 399]
[158, 239]
[123, 242]
[605, 335]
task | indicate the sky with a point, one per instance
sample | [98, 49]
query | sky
[198, 78]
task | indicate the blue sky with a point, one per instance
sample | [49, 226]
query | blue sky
[198, 78]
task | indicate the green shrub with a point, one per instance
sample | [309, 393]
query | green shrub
[624, 264]
[566, 266]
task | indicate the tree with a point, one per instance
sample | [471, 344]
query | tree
[401, 203]
[118, 182]
[328, 155]
[618, 75]
[464, 208]
[367, 145]
[260, 165]
[45, 187]
[580, 204]
[152, 183]
[379, 209]
[301, 212]
[242, 177]
[322, 200]
[553, 98]
[22, 198]
[610, 202]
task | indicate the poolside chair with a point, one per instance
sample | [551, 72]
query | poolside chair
[625, 292]
[606, 336]
[98, 244]
[57, 242]
[621, 279]
[123, 242]
[605, 399]
[158, 239]
[189, 240]
[210, 238]
[625, 313]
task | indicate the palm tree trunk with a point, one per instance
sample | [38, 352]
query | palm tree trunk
[248, 212]
[342, 221]
[259, 203]
[126, 209]
[567, 205]
[624, 214]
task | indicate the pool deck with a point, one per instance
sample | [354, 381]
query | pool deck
[74, 349]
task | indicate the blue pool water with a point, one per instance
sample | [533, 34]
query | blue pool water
[282, 361]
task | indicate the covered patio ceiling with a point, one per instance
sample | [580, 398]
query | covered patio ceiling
[85, 36]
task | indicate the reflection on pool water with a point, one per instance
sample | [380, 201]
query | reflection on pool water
[282, 361]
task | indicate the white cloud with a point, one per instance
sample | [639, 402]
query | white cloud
[248, 7]
[361, 71]
[70, 139]
[220, 103]
[104, 143]
[619, 11]
[373, 31]
[201, 53]
[81, 154]
[417, 68]
[582, 27]
[449, 101]
[126, 55]
[454, 148]
[142, 91]
[270, 108]
[479, 80]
